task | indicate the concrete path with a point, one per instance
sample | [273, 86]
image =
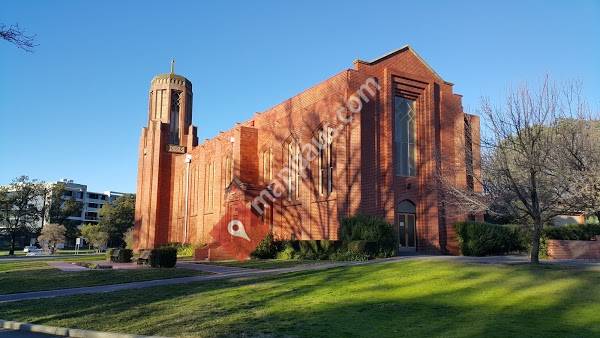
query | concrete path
[67, 267]
[4, 333]
[221, 272]
[211, 268]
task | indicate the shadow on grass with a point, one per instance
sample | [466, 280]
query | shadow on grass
[416, 298]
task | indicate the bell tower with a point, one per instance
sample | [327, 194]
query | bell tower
[164, 143]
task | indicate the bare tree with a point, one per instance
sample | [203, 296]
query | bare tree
[530, 173]
[17, 36]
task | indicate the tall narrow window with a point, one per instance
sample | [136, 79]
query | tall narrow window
[228, 170]
[267, 165]
[209, 186]
[174, 117]
[326, 159]
[404, 137]
[294, 158]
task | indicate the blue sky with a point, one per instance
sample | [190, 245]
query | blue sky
[76, 106]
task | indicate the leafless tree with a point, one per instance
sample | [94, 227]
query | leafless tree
[537, 159]
[17, 36]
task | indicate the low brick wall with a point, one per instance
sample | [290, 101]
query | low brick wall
[558, 249]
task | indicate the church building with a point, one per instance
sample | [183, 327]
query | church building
[373, 139]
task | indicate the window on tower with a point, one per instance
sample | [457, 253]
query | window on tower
[174, 120]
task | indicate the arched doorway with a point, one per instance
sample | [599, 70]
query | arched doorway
[406, 226]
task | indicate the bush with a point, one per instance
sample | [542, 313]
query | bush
[267, 248]
[346, 255]
[484, 239]
[183, 249]
[287, 253]
[580, 232]
[372, 229]
[164, 257]
[124, 256]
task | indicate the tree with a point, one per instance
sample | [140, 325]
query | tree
[21, 208]
[17, 36]
[60, 210]
[95, 234]
[117, 217]
[527, 173]
[51, 235]
[128, 238]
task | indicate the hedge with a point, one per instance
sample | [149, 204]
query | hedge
[163, 257]
[362, 237]
[124, 256]
[581, 232]
[372, 229]
[485, 239]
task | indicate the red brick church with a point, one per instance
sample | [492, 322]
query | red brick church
[368, 140]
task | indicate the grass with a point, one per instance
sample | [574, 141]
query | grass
[413, 298]
[41, 262]
[51, 279]
[264, 263]
[37, 275]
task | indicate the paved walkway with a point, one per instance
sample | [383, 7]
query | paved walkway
[222, 272]
[4, 333]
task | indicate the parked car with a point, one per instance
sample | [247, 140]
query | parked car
[30, 248]
[35, 252]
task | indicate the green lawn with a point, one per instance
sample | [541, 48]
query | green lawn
[37, 275]
[416, 298]
[264, 263]
[36, 263]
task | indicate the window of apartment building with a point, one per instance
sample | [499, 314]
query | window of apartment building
[93, 196]
[93, 205]
[404, 137]
[209, 182]
[326, 160]
[293, 166]
[267, 165]
[228, 170]
[68, 193]
[91, 215]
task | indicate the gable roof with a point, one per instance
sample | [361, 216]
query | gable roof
[398, 51]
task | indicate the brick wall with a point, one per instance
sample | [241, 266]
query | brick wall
[363, 179]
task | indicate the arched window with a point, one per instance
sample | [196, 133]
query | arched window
[326, 160]
[293, 165]
[228, 170]
[404, 137]
[267, 165]
[209, 183]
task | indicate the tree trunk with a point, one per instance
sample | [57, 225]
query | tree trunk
[535, 242]
[11, 251]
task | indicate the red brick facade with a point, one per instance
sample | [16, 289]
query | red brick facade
[184, 193]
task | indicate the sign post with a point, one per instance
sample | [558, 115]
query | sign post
[77, 245]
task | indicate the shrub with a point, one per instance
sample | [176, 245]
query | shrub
[267, 248]
[372, 229]
[484, 239]
[183, 249]
[164, 257]
[368, 248]
[581, 232]
[288, 252]
[347, 255]
[124, 255]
